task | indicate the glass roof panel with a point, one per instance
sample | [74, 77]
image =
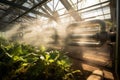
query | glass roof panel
[56, 5]
[27, 5]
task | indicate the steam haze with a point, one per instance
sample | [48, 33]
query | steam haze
[36, 33]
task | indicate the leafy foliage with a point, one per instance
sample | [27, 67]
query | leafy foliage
[25, 62]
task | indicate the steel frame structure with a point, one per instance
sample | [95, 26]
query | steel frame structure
[17, 9]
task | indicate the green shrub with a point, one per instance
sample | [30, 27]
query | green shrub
[25, 62]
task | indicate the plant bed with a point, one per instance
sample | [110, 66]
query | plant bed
[25, 62]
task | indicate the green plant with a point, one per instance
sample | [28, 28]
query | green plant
[25, 62]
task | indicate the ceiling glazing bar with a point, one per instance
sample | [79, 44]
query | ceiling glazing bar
[23, 8]
[68, 6]
[10, 9]
[39, 4]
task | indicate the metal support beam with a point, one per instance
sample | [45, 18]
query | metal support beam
[39, 4]
[74, 14]
[10, 9]
[53, 15]
[23, 8]
[46, 6]
[113, 17]
[44, 10]
[113, 10]
[115, 6]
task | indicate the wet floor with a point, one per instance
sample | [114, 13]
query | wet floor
[88, 59]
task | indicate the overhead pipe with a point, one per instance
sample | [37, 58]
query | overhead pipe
[100, 37]
[77, 36]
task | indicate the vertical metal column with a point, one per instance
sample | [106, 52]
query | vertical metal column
[113, 10]
[117, 66]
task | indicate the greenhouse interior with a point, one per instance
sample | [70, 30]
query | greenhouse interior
[59, 40]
